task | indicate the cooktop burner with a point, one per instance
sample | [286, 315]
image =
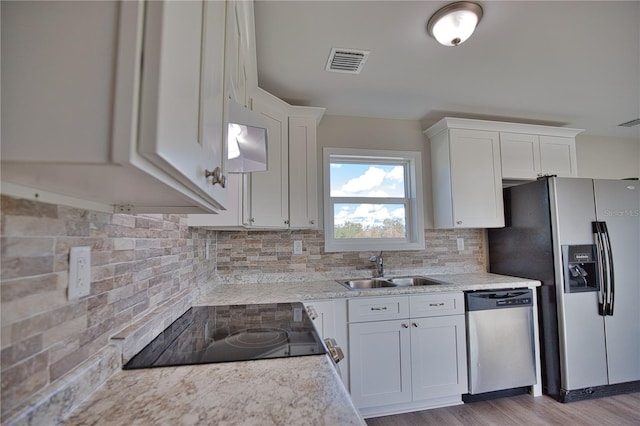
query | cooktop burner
[258, 338]
[209, 334]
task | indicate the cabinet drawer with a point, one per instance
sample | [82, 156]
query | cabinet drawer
[378, 308]
[431, 305]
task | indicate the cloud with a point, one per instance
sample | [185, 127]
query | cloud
[397, 173]
[372, 178]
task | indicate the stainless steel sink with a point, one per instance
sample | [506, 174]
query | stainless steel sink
[412, 281]
[371, 283]
[366, 283]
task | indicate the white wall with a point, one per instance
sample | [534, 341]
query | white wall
[608, 158]
[375, 133]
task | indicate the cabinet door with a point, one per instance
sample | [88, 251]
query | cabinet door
[269, 191]
[520, 155]
[380, 363]
[303, 173]
[476, 179]
[182, 91]
[438, 357]
[321, 313]
[558, 156]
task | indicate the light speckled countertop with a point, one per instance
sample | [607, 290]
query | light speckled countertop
[289, 391]
[300, 390]
[230, 294]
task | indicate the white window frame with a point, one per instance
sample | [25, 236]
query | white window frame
[413, 201]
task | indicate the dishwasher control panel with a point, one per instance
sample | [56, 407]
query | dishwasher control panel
[512, 302]
[498, 299]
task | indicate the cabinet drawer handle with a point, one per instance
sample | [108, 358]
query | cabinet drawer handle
[405, 325]
[436, 304]
[384, 308]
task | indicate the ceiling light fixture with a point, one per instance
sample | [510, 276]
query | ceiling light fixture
[454, 23]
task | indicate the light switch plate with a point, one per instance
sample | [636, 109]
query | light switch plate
[79, 272]
[297, 247]
[460, 242]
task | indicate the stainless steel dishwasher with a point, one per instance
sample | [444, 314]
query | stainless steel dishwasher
[500, 341]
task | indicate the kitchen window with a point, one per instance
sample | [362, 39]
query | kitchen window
[372, 200]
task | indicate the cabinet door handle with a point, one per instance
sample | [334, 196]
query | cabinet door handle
[312, 313]
[405, 325]
[459, 222]
[436, 304]
[312, 222]
[384, 308]
[415, 324]
[216, 176]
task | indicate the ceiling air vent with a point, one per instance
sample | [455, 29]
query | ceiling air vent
[347, 60]
[630, 123]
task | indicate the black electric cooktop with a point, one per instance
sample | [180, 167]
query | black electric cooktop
[209, 334]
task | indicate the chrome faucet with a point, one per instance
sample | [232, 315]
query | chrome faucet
[379, 272]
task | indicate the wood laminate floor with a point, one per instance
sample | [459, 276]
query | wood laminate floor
[616, 410]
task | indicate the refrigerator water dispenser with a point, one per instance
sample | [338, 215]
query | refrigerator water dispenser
[580, 268]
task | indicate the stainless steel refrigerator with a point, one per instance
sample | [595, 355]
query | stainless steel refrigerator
[581, 239]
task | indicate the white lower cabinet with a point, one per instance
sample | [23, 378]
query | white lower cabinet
[330, 320]
[412, 357]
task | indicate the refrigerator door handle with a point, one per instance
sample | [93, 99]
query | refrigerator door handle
[603, 288]
[609, 259]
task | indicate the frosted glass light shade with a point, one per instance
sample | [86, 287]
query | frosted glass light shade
[453, 24]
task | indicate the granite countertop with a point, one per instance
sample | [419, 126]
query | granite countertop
[295, 391]
[230, 294]
[299, 390]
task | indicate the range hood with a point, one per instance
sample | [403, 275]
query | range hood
[247, 138]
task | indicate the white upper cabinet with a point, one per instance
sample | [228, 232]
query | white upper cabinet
[285, 196]
[471, 158]
[558, 156]
[303, 167]
[520, 155]
[268, 192]
[526, 156]
[114, 105]
[182, 90]
[466, 177]
[240, 61]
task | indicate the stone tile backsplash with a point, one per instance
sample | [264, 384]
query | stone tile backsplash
[137, 263]
[264, 256]
[140, 263]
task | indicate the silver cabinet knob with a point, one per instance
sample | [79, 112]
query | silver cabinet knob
[415, 324]
[459, 222]
[216, 177]
[405, 325]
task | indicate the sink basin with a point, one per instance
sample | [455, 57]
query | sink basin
[370, 283]
[366, 283]
[412, 281]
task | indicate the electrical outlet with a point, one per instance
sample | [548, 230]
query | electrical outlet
[460, 242]
[79, 272]
[297, 247]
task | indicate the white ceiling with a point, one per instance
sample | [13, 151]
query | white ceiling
[566, 63]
